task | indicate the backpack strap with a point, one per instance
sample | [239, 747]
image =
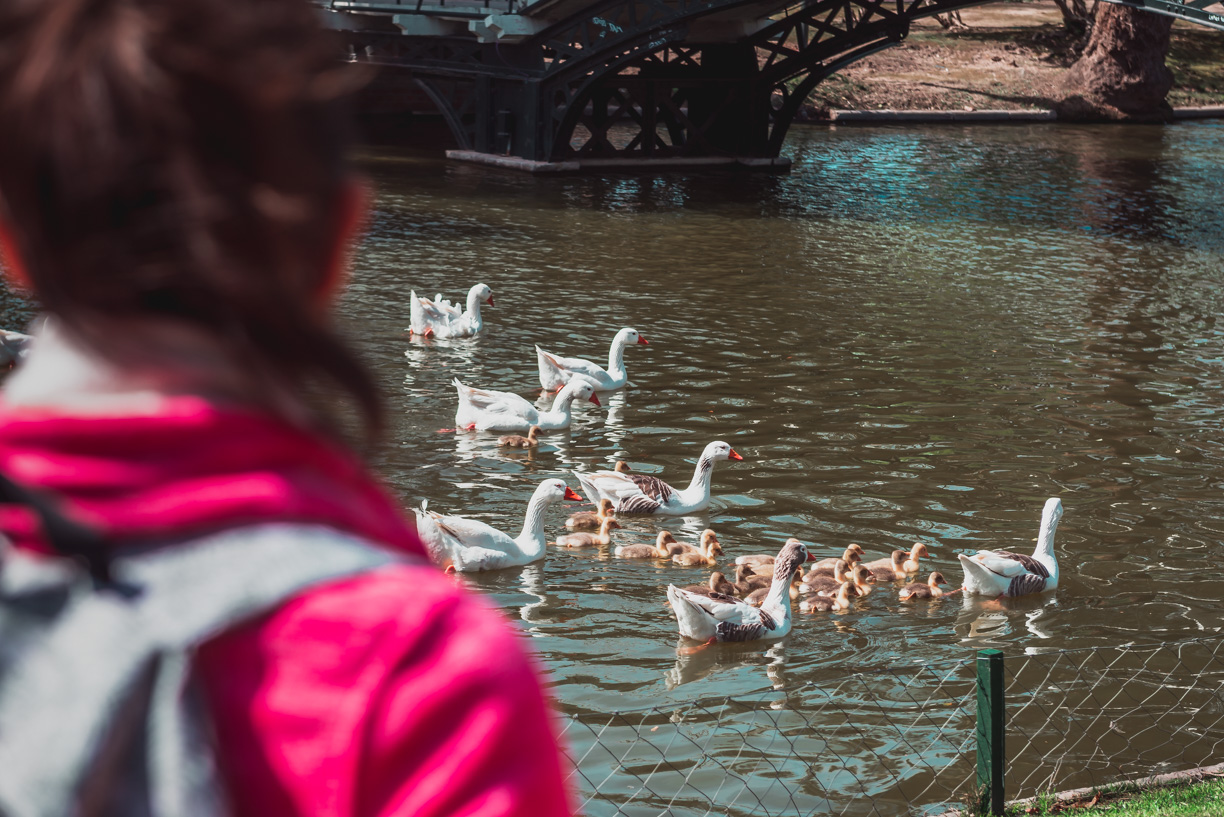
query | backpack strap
[97, 716]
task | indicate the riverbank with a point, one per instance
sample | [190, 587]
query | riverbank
[1012, 56]
[1205, 799]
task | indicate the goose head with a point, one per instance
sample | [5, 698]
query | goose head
[862, 578]
[916, 552]
[793, 554]
[709, 543]
[579, 389]
[555, 490]
[811, 556]
[621, 467]
[628, 336]
[719, 450]
[479, 293]
[936, 579]
[841, 570]
[533, 433]
[847, 591]
[662, 543]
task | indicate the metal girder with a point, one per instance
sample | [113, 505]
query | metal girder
[1194, 11]
[814, 40]
[621, 71]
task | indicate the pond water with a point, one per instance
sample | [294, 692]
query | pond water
[919, 334]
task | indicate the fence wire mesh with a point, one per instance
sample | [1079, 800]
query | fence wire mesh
[902, 740]
[1080, 718]
[872, 743]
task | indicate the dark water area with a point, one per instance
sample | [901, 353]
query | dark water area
[919, 334]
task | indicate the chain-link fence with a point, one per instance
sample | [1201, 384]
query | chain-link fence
[859, 744]
[903, 740]
[1079, 718]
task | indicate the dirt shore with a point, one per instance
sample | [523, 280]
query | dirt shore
[1012, 57]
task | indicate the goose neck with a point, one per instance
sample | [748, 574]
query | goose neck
[616, 356]
[531, 540]
[563, 402]
[703, 473]
[778, 599]
[473, 303]
[1045, 537]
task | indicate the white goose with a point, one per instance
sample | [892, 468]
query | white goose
[556, 371]
[1002, 573]
[716, 617]
[442, 319]
[637, 493]
[465, 545]
[487, 410]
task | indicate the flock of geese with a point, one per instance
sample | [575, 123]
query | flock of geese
[757, 605]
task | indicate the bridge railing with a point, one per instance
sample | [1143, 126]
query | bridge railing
[424, 7]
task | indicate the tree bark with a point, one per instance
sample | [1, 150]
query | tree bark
[1076, 14]
[1121, 76]
[952, 20]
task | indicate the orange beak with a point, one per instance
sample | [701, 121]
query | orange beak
[490, 301]
[643, 341]
[733, 455]
[811, 557]
[569, 494]
[595, 400]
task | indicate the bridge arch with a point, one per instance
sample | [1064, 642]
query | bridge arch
[638, 80]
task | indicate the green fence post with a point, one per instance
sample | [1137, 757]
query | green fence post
[990, 731]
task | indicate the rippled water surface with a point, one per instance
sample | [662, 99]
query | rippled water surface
[917, 335]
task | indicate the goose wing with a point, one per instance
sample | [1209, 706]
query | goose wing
[465, 531]
[652, 487]
[638, 504]
[430, 309]
[447, 308]
[489, 399]
[573, 365]
[1010, 565]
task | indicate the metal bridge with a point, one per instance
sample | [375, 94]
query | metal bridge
[562, 84]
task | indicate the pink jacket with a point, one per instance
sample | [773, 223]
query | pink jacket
[393, 693]
[396, 693]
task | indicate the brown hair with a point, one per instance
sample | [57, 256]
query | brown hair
[182, 159]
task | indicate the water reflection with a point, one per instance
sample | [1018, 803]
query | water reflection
[694, 663]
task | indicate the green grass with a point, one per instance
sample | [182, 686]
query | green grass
[1195, 800]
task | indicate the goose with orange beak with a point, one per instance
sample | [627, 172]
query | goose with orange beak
[641, 494]
[556, 371]
[462, 545]
[440, 318]
[488, 410]
[725, 618]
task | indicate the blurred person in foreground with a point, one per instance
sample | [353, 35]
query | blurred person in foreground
[173, 189]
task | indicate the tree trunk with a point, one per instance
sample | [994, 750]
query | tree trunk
[1076, 14]
[952, 20]
[1121, 74]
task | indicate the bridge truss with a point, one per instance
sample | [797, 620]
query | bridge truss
[635, 80]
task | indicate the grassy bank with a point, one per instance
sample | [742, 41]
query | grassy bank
[1204, 799]
[1012, 57]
